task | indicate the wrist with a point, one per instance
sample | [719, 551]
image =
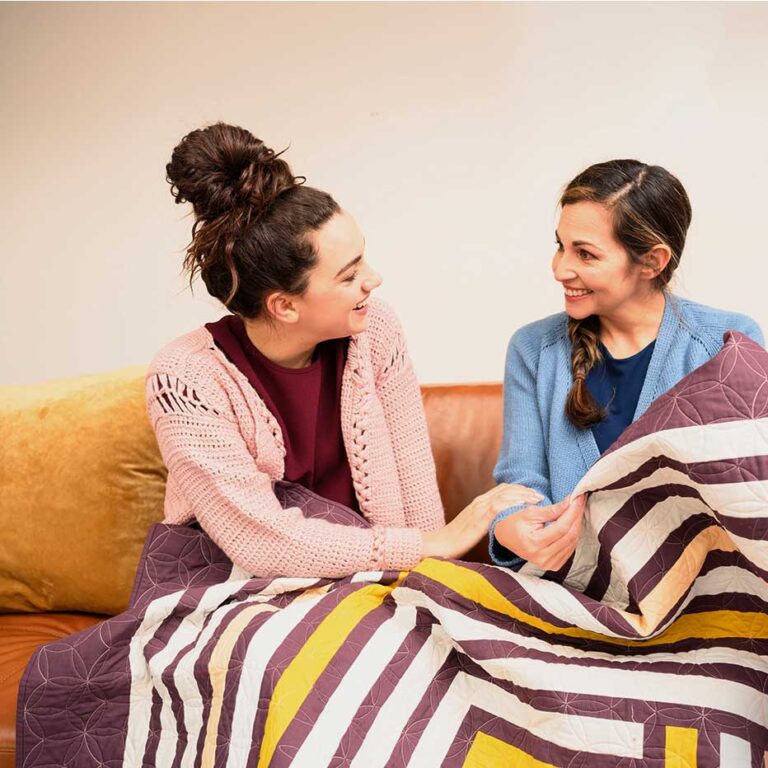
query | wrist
[430, 545]
[503, 531]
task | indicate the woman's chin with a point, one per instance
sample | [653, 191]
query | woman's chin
[358, 322]
[577, 313]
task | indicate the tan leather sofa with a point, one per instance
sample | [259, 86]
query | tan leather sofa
[81, 480]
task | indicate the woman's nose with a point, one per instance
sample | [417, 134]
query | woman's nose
[562, 268]
[372, 280]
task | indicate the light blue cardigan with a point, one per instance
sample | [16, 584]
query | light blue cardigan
[541, 449]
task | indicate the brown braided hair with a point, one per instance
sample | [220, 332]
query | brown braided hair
[648, 207]
[253, 217]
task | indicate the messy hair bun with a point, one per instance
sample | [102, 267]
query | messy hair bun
[224, 167]
[252, 216]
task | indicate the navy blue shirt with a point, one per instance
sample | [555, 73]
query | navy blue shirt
[616, 384]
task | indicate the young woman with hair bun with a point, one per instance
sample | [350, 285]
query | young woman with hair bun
[307, 380]
[575, 380]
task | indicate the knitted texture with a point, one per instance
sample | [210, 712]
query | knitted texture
[224, 449]
[540, 448]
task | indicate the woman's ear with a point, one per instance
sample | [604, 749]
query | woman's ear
[655, 261]
[281, 307]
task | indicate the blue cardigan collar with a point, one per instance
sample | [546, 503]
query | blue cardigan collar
[669, 321]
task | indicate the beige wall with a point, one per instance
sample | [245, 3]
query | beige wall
[447, 129]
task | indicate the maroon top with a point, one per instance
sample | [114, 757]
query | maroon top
[306, 403]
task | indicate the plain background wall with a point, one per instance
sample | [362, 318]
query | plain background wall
[448, 129]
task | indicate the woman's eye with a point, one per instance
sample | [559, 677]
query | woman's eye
[585, 255]
[351, 278]
[559, 245]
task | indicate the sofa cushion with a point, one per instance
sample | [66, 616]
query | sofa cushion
[465, 426]
[82, 480]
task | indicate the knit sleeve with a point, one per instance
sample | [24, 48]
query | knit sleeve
[522, 458]
[748, 327]
[208, 458]
[398, 390]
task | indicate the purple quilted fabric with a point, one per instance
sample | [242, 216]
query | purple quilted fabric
[650, 648]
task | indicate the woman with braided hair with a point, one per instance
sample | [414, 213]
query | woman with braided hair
[575, 380]
[307, 380]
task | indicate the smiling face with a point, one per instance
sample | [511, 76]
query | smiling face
[334, 305]
[595, 269]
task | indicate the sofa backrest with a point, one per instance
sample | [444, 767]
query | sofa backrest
[81, 480]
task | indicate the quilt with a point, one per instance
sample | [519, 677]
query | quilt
[649, 648]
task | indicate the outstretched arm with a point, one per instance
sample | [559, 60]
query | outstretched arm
[211, 467]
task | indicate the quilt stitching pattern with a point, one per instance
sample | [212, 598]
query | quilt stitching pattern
[649, 649]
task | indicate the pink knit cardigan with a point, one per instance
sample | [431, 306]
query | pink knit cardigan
[223, 449]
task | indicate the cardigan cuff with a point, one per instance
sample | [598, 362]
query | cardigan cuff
[499, 553]
[402, 549]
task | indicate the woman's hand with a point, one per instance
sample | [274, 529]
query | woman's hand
[471, 524]
[548, 546]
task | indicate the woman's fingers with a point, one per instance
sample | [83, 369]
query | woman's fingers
[549, 513]
[552, 533]
[548, 546]
[508, 495]
[556, 555]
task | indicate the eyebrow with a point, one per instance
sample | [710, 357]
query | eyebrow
[351, 264]
[580, 242]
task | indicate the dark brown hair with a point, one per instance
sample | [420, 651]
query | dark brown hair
[253, 217]
[648, 206]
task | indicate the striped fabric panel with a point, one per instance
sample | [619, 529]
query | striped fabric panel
[649, 650]
[653, 650]
[467, 666]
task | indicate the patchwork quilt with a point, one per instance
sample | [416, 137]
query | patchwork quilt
[649, 648]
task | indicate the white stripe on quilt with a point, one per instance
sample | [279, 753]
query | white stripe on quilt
[339, 712]
[186, 684]
[559, 602]
[261, 648]
[745, 499]
[184, 674]
[698, 691]
[394, 713]
[463, 628]
[284, 584]
[185, 634]
[645, 537]
[756, 551]
[595, 735]
[142, 684]
[709, 442]
[730, 578]
[239, 574]
[140, 707]
[563, 604]
[374, 576]
[734, 752]
[218, 666]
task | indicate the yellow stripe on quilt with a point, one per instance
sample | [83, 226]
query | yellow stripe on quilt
[680, 747]
[217, 671]
[708, 625]
[309, 663]
[490, 752]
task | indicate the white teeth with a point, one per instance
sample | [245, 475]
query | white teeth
[361, 304]
[572, 292]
